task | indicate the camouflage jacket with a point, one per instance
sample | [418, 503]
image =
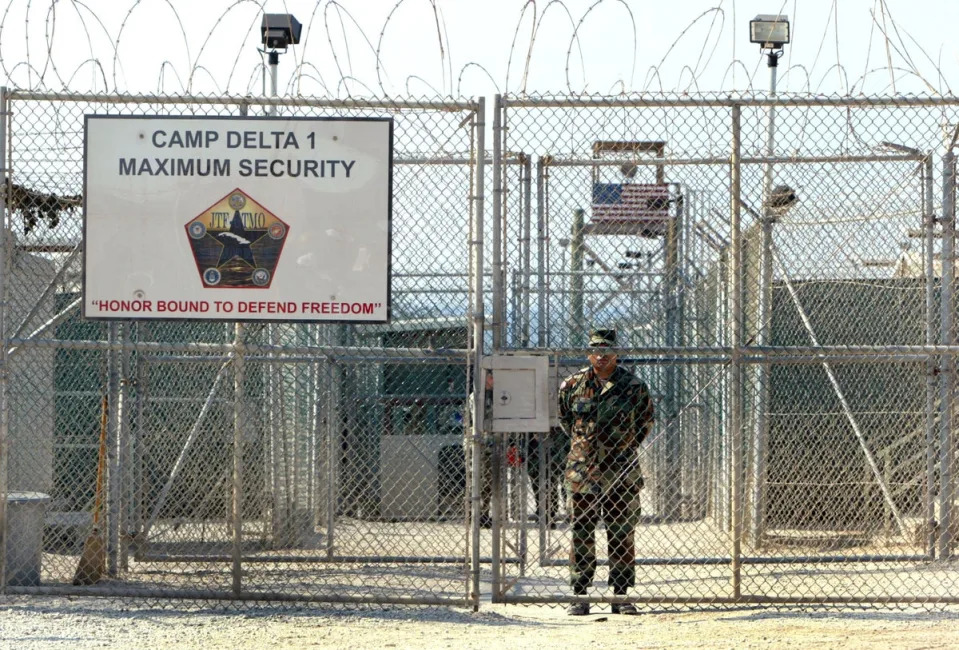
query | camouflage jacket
[606, 422]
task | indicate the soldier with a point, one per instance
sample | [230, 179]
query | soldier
[607, 412]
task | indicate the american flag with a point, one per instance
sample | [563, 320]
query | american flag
[630, 202]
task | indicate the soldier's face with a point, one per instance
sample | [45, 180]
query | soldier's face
[600, 360]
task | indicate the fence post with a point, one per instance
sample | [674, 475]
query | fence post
[236, 506]
[722, 496]
[497, 475]
[516, 304]
[478, 326]
[4, 370]
[332, 450]
[542, 241]
[764, 299]
[272, 386]
[527, 229]
[139, 491]
[929, 225]
[672, 434]
[948, 363]
[113, 449]
[577, 317]
[499, 297]
[735, 366]
[125, 438]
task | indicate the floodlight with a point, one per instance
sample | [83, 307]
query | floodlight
[279, 31]
[781, 198]
[770, 31]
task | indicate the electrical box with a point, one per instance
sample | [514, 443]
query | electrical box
[520, 393]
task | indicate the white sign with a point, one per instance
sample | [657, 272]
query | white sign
[277, 219]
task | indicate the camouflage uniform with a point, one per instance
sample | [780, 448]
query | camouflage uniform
[606, 421]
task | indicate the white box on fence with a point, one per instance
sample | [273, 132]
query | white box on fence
[30, 391]
[520, 392]
[24, 544]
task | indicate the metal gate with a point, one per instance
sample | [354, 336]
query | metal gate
[241, 461]
[774, 271]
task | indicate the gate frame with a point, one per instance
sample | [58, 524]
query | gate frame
[239, 353]
[739, 356]
[736, 354]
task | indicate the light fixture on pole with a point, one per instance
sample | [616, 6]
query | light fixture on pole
[780, 199]
[771, 32]
[277, 33]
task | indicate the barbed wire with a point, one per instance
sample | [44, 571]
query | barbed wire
[359, 62]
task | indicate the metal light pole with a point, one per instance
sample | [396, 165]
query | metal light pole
[278, 32]
[541, 175]
[273, 60]
[771, 33]
[948, 362]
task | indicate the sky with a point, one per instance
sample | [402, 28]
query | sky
[470, 48]
[428, 49]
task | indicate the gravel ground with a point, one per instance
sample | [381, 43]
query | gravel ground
[57, 622]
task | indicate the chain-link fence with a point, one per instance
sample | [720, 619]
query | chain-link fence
[777, 289]
[251, 461]
[773, 269]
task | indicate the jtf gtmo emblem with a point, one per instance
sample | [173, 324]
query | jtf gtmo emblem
[237, 243]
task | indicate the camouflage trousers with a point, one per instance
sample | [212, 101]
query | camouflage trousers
[618, 508]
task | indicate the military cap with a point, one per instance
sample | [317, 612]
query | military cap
[602, 338]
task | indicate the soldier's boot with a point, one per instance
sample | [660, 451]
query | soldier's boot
[623, 608]
[578, 609]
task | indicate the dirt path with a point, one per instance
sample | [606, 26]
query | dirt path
[88, 623]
